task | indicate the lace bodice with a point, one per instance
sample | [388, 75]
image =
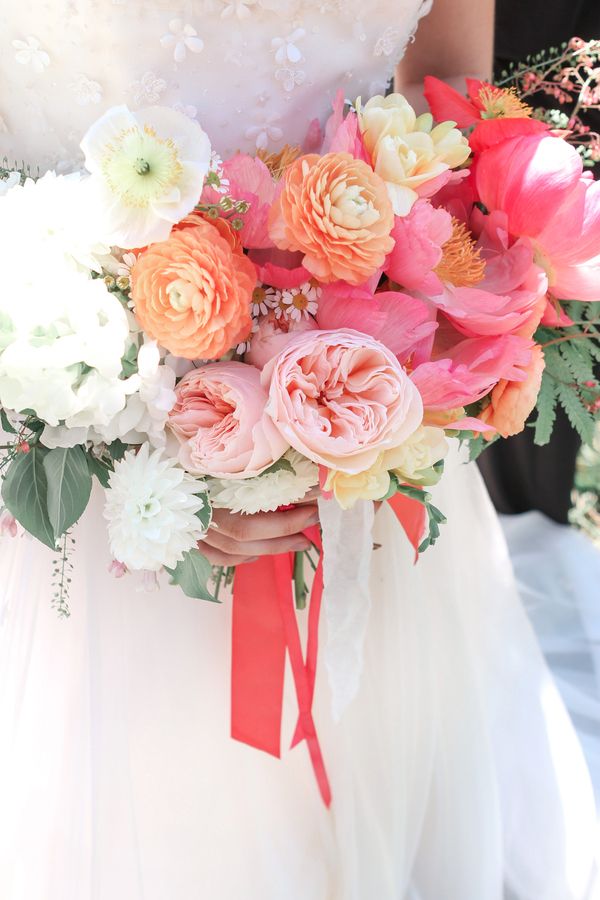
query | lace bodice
[255, 73]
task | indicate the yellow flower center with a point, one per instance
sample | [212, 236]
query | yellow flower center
[139, 167]
[461, 264]
[499, 103]
[277, 163]
[258, 295]
[300, 301]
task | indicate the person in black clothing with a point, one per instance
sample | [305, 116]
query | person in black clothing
[519, 475]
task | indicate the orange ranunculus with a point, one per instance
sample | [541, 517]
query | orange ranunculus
[222, 225]
[511, 402]
[336, 211]
[192, 292]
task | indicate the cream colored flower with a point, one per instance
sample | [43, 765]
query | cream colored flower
[373, 484]
[408, 152]
[414, 459]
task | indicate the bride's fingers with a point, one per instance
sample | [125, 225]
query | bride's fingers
[263, 526]
[269, 547]
[218, 558]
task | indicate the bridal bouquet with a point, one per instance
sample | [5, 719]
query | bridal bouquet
[196, 332]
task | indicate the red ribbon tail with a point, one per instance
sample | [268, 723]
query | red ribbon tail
[314, 614]
[258, 656]
[411, 515]
[304, 691]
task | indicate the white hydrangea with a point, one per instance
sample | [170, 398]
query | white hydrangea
[145, 413]
[57, 219]
[62, 339]
[266, 492]
[151, 508]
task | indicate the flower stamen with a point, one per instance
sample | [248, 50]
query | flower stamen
[461, 264]
[502, 103]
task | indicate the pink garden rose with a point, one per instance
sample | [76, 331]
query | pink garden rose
[272, 335]
[219, 420]
[341, 398]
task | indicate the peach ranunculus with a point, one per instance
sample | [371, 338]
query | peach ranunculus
[220, 422]
[335, 210]
[341, 398]
[511, 402]
[192, 292]
[412, 156]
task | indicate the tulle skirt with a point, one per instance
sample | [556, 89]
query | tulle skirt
[456, 772]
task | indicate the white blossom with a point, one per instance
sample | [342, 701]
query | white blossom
[181, 37]
[151, 510]
[268, 491]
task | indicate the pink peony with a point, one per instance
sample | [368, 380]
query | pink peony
[471, 369]
[220, 422]
[399, 321]
[539, 183]
[341, 398]
[419, 238]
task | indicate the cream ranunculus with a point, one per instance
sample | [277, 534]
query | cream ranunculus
[414, 459]
[409, 153]
[373, 484]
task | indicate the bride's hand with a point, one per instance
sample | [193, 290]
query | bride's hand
[234, 539]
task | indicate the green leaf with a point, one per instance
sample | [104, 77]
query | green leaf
[282, 465]
[117, 450]
[579, 417]
[6, 426]
[100, 469]
[192, 575]
[546, 410]
[578, 360]
[205, 513]
[25, 494]
[129, 361]
[69, 486]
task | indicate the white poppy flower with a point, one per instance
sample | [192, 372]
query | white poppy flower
[148, 168]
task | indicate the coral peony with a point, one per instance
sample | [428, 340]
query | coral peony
[335, 210]
[192, 293]
[538, 182]
[497, 113]
[414, 157]
[341, 398]
[511, 402]
[219, 419]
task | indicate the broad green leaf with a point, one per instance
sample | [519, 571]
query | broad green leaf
[6, 426]
[117, 450]
[25, 494]
[69, 486]
[100, 469]
[192, 575]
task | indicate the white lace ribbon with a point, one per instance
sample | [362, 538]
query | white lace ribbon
[347, 548]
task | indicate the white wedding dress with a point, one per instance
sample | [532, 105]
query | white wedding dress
[456, 773]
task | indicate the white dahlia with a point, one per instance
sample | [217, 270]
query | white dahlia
[151, 509]
[269, 491]
[148, 168]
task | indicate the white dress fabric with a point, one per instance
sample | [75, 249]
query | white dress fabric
[456, 773]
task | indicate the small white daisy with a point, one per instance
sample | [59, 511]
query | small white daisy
[299, 303]
[264, 299]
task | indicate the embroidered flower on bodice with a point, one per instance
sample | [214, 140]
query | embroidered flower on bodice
[241, 9]
[285, 48]
[388, 42]
[266, 132]
[85, 90]
[181, 37]
[290, 78]
[148, 89]
[30, 53]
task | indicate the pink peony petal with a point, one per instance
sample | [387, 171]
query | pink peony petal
[447, 103]
[419, 238]
[489, 132]
[529, 178]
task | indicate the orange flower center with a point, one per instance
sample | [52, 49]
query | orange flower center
[258, 295]
[277, 163]
[300, 301]
[499, 103]
[461, 264]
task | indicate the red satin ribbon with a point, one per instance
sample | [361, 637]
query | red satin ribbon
[265, 628]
